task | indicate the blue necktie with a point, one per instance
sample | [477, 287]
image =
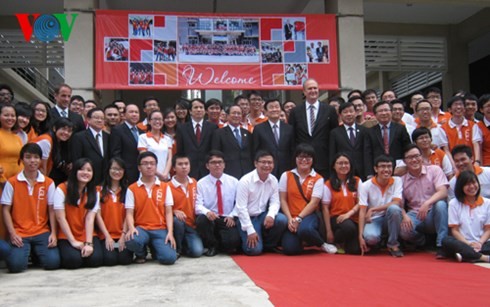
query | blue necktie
[134, 130]
[238, 137]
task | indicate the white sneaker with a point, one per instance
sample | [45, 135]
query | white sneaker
[459, 258]
[328, 248]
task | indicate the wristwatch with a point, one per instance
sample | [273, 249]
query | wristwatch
[298, 219]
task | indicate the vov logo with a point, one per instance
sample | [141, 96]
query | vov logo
[46, 27]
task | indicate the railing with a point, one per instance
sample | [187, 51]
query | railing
[34, 77]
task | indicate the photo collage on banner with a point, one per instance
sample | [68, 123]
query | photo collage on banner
[182, 51]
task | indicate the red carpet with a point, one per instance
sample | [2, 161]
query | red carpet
[317, 279]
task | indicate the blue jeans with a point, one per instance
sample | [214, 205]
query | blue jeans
[292, 243]
[18, 258]
[268, 238]
[390, 223]
[4, 250]
[187, 239]
[165, 254]
[435, 222]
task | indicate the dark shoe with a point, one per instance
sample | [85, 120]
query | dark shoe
[395, 252]
[140, 260]
[212, 251]
[440, 253]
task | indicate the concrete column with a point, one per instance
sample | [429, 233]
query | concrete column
[79, 49]
[350, 32]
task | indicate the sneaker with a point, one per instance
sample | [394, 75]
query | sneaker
[395, 252]
[458, 256]
[328, 248]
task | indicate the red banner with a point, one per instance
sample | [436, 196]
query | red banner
[142, 50]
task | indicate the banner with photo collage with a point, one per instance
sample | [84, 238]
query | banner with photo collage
[142, 50]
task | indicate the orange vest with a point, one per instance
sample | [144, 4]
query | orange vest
[485, 147]
[75, 216]
[453, 138]
[30, 212]
[186, 202]
[296, 202]
[142, 127]
[436, 157]
[113, 213]
[341, 204]
[149, 212]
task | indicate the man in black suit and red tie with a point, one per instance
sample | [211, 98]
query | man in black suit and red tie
[353, 140]
[235, 143]
[93, 143]
[62, 96]
[387, 138]
[193, 139]
[312, 122]
[276, 137]
[123, 141]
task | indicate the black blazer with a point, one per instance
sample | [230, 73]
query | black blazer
[75, 118]
[238, 159]
[326, 121]
[399, 139]
[123, 145]
[263, 139]
[84, 145]
[360, 153]
[187, 145]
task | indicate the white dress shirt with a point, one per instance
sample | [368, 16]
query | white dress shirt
[207, 199]
[253, 196]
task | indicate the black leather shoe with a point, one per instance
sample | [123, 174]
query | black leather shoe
[212, 251]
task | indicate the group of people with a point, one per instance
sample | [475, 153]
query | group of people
[105, 188]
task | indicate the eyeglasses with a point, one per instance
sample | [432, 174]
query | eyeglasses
[6, 95]
[157, 119]
[304, 158]
[413, 157]
[342, 163]
[148, 163]
[255, 99]
[40, 111]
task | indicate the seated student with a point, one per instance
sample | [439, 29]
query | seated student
[215, 204]
[422, 137]
[463, 158]
[112, 214]
[380, 207]
[260, 223]
[469, 221]
[149, 215]
[300, 191]
[340, 202]
[28, 213]
[76, 203]
[425, 193]
[184, 190]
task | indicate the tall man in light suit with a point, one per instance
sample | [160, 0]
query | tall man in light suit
[312, 122]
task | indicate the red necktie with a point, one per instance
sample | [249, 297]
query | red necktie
[198, 133]
[386, 141]
[220, 197]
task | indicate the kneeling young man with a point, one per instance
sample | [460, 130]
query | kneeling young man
[149, 213]
[257, 203]
[28, 213]
[425, 189]
[380, 201]
[184, 191]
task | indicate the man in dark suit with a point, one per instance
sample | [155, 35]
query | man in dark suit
[312, 122]
[194, 139]
[123, 141]
[387, 138]
[235, 143]
[264, 138]
[62, 95]
[353, 140]
[93, 143]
